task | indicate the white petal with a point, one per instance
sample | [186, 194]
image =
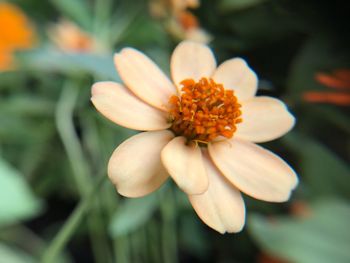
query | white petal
[135, 166]
[264, 119]
[185, 165]
[221, 207]
[235, 74]
[120, 106]
[191, 60]
[144, 78]
[254, 170]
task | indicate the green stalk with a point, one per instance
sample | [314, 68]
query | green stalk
[120, 246]
[82, 175]
[66, 130]
[153, 241]
[169, 231]
[24, 238]
[108, 196]
[67, 230]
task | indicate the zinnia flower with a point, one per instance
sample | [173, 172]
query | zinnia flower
[16, 33]
[184, 4]
[70, 38]
[184, 25]
[179, 21]
[200, 129]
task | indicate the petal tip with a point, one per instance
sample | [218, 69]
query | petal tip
[282, 198]
[95, 88]
[290, 122]
[129, 194]
[295, 182]
[240, 60]
[117, 55]
[222, 229]
[129, 50]
[293, 120]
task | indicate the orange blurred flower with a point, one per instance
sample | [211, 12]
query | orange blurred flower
[184, 4]
[16, 33]
[180, 22]
[340, 80]
[185, 25]
[188, 20]
[68, 37]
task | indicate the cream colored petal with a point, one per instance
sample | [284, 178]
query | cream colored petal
[135, 166]
[264, 119]
[254, 170]
[221, 207]
[235, 74]
[144, 78]
[120, 106]
[191, 60]
[185, 165]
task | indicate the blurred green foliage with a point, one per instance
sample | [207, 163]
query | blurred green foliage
[54, 145]
[16, 199]
[321, 236]
[125, 220]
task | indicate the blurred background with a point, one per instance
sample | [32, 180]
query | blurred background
[54, 146]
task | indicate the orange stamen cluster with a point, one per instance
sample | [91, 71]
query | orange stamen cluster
[204, 111]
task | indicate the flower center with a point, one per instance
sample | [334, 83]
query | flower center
[204, 111]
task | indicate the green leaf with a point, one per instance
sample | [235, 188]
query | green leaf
[321, 170]
[77, 10]
[236, 5]
[322, 237]
[14, 255]
[11, 80]
[132, 214]
[144, 31]
[317, 116]
[26, 105]
[16, 199]
[53, 60]
[192, 236]
[256, 27]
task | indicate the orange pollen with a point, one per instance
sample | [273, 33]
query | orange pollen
[204, 111]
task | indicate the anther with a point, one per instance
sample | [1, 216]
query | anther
[204, 111]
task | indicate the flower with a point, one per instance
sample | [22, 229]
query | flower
[70, 38]
[184, 25]
[159, 8]
[179, 22]
[184, 4]
[339, 79]
[200, 129]
[18, 34]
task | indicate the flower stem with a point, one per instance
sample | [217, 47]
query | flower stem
[81, 171]
[65, 126]
[71, 224]
[169, 231]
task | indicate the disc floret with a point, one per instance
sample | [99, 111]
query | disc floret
[204, 110]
